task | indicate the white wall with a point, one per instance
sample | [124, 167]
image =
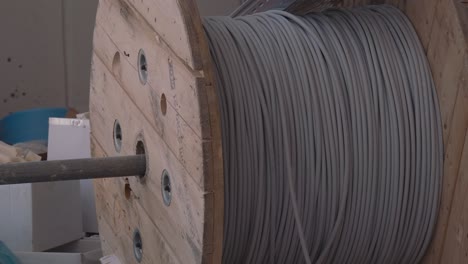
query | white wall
[31, 55]
[79, 24]
[45, 51]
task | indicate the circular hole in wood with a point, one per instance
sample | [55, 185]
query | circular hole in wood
[116, 64]
[166, 188]
[142, 67]
[163, 104]
[141, 150]
[128, 191]
[137, 245]
[117, 136]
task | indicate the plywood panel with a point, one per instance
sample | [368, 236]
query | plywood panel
[164, 16]
[177, 223]
[181, 134]
[455, 242]
[448, 57]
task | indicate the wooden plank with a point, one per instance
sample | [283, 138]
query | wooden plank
[186, 139]
[422, 16]
[116, 229]
[173, 127]
[181, 224]
[453, 152]
[166, 18]
[119, 241]
[446, 54]
[213, 158]
[462, 9]
[455, 242]
[182, 140]
[114, 239]
[448, 58]
[126, 217]
[166, 73]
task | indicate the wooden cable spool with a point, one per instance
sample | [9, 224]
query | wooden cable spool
[152, 91]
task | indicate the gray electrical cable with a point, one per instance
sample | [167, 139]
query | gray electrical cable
[331, 137]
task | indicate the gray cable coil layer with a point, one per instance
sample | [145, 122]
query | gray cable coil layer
[331, 135]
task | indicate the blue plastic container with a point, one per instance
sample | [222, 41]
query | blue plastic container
[6, 256]
[28, 125]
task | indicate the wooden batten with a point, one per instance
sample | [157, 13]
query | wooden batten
[175, 113]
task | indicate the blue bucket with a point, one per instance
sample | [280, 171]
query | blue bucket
[28, 125]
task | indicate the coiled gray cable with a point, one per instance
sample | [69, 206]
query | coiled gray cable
[331, 136]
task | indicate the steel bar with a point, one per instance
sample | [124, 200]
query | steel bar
[76, 169]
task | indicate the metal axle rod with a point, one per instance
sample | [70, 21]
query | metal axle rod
[77, 169]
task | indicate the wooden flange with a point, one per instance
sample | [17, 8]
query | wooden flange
[175, 113]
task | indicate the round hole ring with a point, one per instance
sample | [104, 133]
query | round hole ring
[142, 67]
[166, 188]
[140, 149]
[117, 135]
[137, 245]
[116, 68]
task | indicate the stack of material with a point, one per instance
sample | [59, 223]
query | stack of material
[15, 154]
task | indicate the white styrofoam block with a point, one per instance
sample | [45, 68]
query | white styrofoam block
[59, 258]
[41, 216]
[37, 217]
[110, 259]
[88, 204]
[56, 206]
[16, 216]
[48, 258]
[22, 223]
[56, 214]
[83, 251]
[71, 139]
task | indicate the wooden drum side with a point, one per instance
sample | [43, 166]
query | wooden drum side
[151, 73]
